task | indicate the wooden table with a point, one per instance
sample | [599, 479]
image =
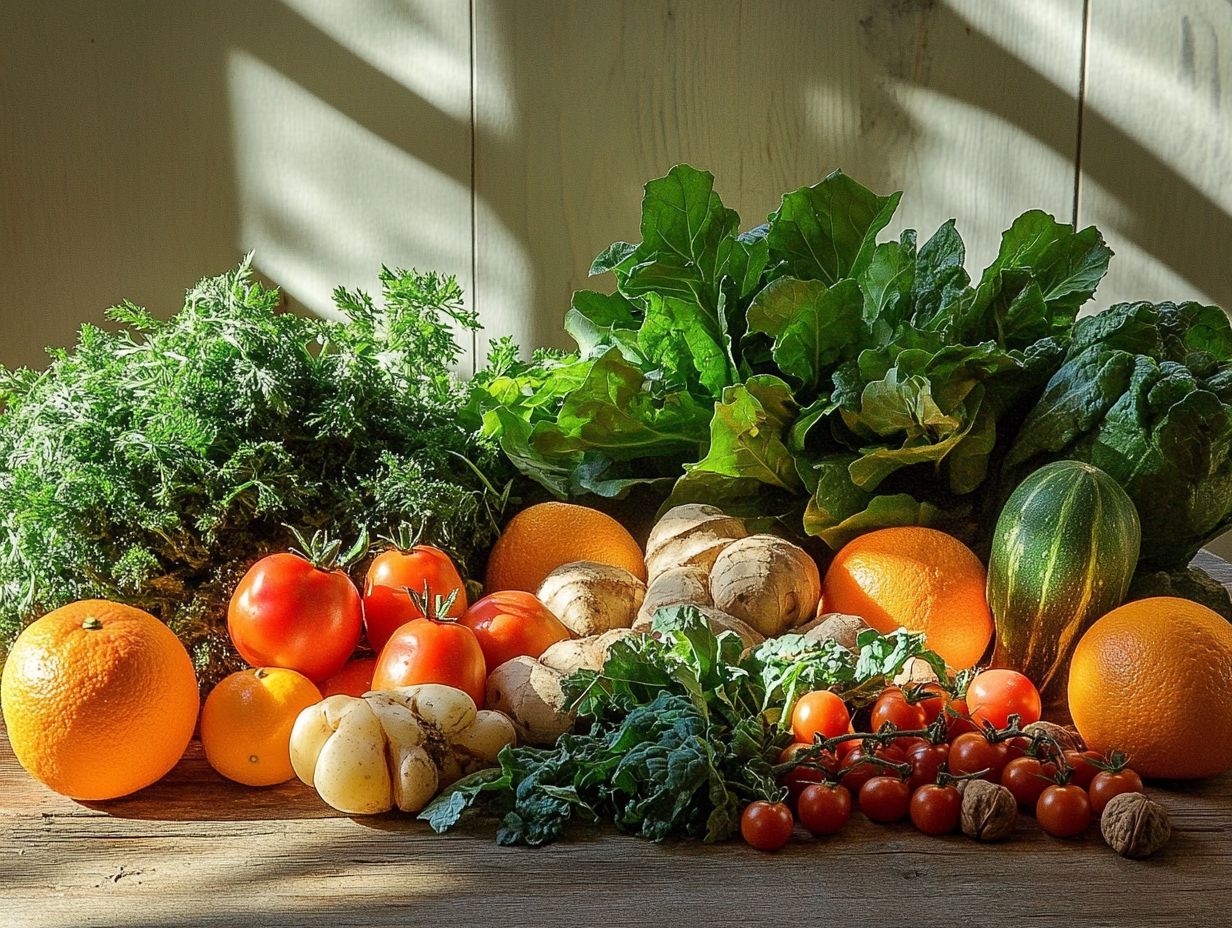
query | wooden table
[197, 850]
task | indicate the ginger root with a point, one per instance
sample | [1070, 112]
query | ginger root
[531, 694]
[767, 582]
[690, 535]
[687, 585]
[590, 598]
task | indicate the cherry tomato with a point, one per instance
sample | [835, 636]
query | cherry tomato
[933, 703]
[926, 760]
[1017, 747]
[935, 809]
[892, 707]
[354, 679]
[798, 778]
[860, 771]
[1063, 811]
[388, 605]
[428, 651]
[766, 825]
[824, 808]
[958, 719]
[819, 713]
[1027, 778]
[1108, 783]
[885, 799]
[513, 624]
[1084, 771]
[971, 752]
[995, 695]
[288, 613]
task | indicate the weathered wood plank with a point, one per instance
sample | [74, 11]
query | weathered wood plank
[1157, 147]
[196, 850]
[144, 145]
[970, 107]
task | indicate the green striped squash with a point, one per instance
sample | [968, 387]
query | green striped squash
[1063, 554]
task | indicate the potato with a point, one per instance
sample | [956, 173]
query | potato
[767, 582]
[590, 599]
[397, 748]
[690, 535]
[531, 695]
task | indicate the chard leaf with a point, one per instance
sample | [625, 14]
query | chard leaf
[746, 434]
[814, 327]
[594, 319]
[687, 240]
[689, 349]
[939, 278]
[828, 231]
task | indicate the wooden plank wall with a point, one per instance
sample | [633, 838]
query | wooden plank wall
[144, 144]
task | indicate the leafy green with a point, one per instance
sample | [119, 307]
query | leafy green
[806, 373]
[681, 732]
[153, 465]
[1141, 396]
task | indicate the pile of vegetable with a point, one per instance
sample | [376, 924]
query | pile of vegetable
[154, 465]
[803, 372]
[1011, 494]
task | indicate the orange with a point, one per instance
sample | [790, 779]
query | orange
[1153, 678]
[541, 538]
[914, 578]
[247, 720]
[100, 699]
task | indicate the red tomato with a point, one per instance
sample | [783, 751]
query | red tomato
[512, 624]
[935, 809]
[958, 719]
[819, 713]
[427, 651]
[933, 703]
[1109, 783]
[1027, 778]
[892, 707]
[860, 771]
[995, 695]
[354, 679]
[766, 825]
[1063, 811]
[926, 760]
[971, 752]
[824, 808]
[387, 604]
[1084, 771]
[885, 799]
[288, 613]
[799, 778]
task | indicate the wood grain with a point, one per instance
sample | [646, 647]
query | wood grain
[970, 107]
[1157, 147]
[196, 850]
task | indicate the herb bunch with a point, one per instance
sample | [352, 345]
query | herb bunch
[154, 464]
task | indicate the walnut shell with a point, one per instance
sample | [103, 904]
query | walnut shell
[1067, 738]
[1134, 826]
[989, 811]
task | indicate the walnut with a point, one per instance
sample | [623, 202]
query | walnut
[1134, 826]
[1067, 738]
[989, 811]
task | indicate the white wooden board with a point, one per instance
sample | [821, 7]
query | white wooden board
[970, 107]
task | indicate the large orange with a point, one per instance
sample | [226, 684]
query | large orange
[100, 699]
[1153, 678]
[541, 538]
[247, 720]
[914, 578]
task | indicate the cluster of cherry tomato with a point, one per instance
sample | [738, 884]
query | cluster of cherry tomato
[300, 610]
[923, 741]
